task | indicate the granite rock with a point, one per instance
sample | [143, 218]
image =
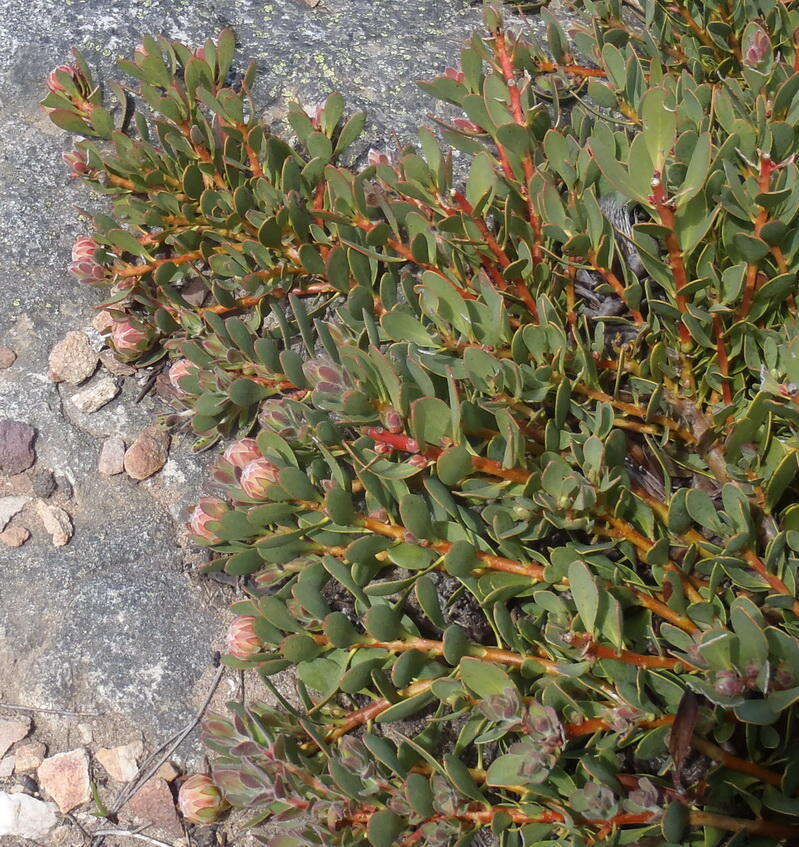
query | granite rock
[56, 521]
[16, 446]
[14, 536]
[29, 756]
[73, 359]
[12, 731]
[65, 777]
[10, 506]
[148, 453]
[112, 456]
[22, 816]
[96, 395]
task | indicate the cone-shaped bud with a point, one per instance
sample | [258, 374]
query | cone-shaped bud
[200, 801]
[131, 337]
[393, 421]
[325, 376]
[242, 642]
[84, 265]
[77, 161]
[257, 476]
[240, 453]
[179, 369]
[377, 157]
[55, 85]
[209, 509]
[84, 249]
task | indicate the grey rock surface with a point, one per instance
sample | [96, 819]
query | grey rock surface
[111, 622]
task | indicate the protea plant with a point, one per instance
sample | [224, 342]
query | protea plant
[513, 490]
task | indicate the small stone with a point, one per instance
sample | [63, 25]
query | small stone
[112, 456]
[64, 486]
[9, 506]
[86, 733]
[12, 731]
[96, 395]
[153, 804]
[148, 453]
[120, 762]
[65, 777]
[14, 536]
[7, 766]
[111, 363]
[29, 756]
[25, 817]
[16, 446]
[102, 321]
[73, 359]
[7, 357]
[168, 772]
[42, 482]
[56, 521]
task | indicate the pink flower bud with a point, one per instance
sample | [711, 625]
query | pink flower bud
[179, 369]
[200, 801]
[383, 449]
[83, 249]
[54, 83]
[419, 461]
[756, 47]
[454, 73]
[77, 161]
[84, 266]
[209, 509]
[241, 453]
[376, 157]
[392, 420]
[729, 684]
[258, 476]
[317, 109]
[131, 337]
[242, 642]
[200, 53]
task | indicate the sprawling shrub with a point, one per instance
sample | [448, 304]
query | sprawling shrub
[514, 490]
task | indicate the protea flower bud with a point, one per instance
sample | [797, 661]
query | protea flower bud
[242, 642]
[284, 417]
[54, 83]
[392, 421]
[200, 801]
[84, 249]
[84, 265]
[756, 47]
[325, 376]
[728, 683]
[179, 369]
[257, 476]
[131, 337]
[377, 157]
[207, 510]
[240, 453]
[77, 161]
